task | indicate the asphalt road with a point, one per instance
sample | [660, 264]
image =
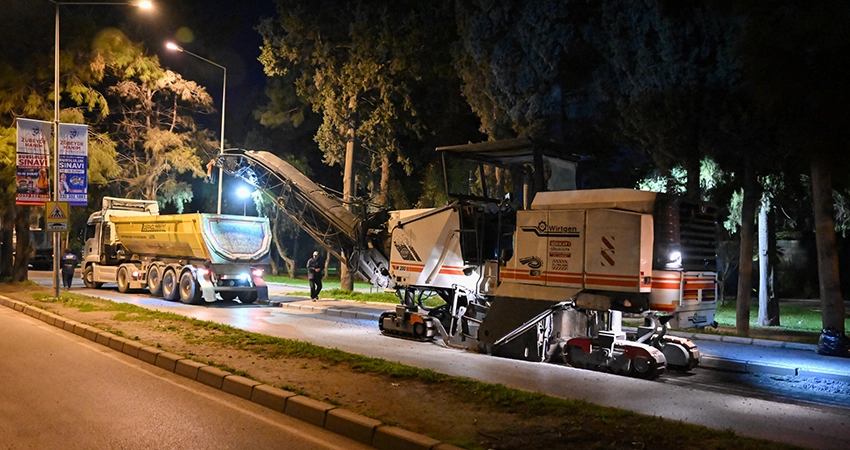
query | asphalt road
[61, 391]
[738, 404]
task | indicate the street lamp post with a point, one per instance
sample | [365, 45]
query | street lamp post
[177, 48]
[56, 240]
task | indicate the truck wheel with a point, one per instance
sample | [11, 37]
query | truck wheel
[248, 297]
[155, 281]
[170, 289]
[123, 280]
[88, 278]
[228, 296]
[190, 293]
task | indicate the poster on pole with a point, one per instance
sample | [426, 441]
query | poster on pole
[32, 159]
[73, 164]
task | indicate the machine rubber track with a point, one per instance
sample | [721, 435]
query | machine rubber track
[407, 329]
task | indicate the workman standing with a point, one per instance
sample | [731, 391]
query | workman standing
[69, 265]
[314, 274]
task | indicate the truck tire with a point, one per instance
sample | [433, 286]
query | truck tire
[88, 278]
[248, 297]
[190, 292]
[228, 296]
[123, 280]
[155, 281]
[170, 285]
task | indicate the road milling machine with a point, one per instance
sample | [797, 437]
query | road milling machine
[520, 264]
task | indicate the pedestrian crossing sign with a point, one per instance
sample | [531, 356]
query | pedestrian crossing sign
[56, 216]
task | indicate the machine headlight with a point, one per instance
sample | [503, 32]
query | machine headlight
[674, 257]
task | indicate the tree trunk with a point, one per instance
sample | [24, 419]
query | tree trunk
[23, 246]
[6, 225]
[346, 279]
[829, 282]
[290, 263]
[383, 196]
[745, 265]
[692, 186]
[766, 297]
[275, 268]
[773, 262]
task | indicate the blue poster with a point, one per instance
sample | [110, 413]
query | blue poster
[73, 164]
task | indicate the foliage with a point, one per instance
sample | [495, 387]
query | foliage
[369, 66]
[527, 66]
[674, 183]
[157, 134]
[673, 67]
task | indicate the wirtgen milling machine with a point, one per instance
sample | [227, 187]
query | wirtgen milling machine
[526, 266]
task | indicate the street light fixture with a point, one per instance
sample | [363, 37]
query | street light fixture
[244, 193]
[56, 240]
[174, 47]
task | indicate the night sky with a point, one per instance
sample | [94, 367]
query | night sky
[219, 30]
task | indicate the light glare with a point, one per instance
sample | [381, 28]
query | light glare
[243, 192]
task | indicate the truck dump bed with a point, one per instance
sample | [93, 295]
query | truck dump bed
[217, 238]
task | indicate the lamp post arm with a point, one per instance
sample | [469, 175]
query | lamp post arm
[93, 3]
[202, 58]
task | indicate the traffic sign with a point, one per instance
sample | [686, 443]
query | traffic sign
[56, 216]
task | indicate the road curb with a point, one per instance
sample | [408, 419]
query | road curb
[346, 423]
[349, 313]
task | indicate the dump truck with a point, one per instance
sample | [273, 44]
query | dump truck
[190, 257]
[525, 265]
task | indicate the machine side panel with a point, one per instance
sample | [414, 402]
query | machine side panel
[613, 255]
[426, 250]
[690, 295]
[647, 237]
[529, 263]
[565, 249]
[619, 199]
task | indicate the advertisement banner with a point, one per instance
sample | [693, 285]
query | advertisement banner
[73, 164]
[32, 159]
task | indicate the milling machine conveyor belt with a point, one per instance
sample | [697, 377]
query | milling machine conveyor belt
[325, 217]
